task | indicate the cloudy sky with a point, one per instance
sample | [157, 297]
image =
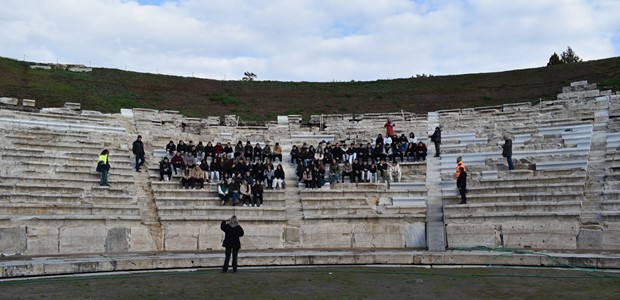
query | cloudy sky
[308, 40]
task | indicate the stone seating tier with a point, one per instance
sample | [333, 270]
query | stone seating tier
[513, 215]
[209, 201]
[483, 209]
[357, 193]
[611, 216]
[453, 197]
[61, 126]
[180, 220]
[357, 211]
[55, 160]
[42, 188]
[222, 212]
[17, 209]
[55, 221]
[522, 188]
[92, 181]
[520, 180]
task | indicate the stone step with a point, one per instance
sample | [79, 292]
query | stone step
[513, 215]
[207, 201]
[209, 210]
[515, 197]
[483, 208]
[66, 209]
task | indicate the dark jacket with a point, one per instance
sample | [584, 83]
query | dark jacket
[138, 148]
[164, 166]
[507, 148]
[461, 181]
[232, 235]
[436, 137]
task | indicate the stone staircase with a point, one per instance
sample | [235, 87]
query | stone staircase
[591, 229]
[435, 227]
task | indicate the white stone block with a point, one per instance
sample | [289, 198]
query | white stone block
[180, 238]
[85, 239]
[42, 241]
[9, 101]
[579, 83]
[127, 113]
[73, 105]
[326, 236]
[140, 239]
[378, 236]
[29, 103]
[282, 120]
[415, 235]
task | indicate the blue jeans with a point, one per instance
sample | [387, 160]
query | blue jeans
[334, 177]
[104, 177]
[139, 161]
[510, 166]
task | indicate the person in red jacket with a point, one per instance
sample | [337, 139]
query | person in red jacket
[232, 232]
[177, 162]
[389, 127]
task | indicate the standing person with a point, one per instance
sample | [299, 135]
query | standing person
[436, 138]
[389, 127]
[103, 167]
[459, 165]
[138, 151]
[507, 151]
[461, 184]
[232, 232]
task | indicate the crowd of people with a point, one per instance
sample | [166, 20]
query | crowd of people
[241, 172]
[375, 161]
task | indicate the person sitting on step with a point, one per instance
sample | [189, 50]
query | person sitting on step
[395, 172]
[278, 175]
[165, 168]
[177, 162]
[257, 193]
[186, 178]
[198, 177]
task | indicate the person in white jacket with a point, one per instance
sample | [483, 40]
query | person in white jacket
[395, 172]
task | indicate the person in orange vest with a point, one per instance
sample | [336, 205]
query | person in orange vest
[459, 164]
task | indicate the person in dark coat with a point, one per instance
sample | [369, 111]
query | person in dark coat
[436, 138]
[507, 151]
[232, 232]
[461, 184]
[138, 151]
[165, 168]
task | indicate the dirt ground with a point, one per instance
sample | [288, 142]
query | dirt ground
[340, 282]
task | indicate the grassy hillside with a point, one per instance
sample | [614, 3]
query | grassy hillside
[108, 90]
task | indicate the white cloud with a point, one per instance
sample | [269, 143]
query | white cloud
[295, 40]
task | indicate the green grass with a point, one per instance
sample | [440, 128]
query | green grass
[109, 90]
